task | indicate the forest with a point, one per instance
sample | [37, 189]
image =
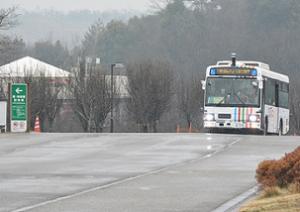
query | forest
[180, 38]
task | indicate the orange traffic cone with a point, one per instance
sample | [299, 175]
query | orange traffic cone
[37, 127]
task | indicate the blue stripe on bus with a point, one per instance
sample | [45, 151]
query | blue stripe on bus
[235, 114]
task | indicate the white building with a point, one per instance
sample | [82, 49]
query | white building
[28, 66]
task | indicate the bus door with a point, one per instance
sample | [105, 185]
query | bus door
[277, 107]
[271, 105]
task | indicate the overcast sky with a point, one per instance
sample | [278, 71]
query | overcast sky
[66, 5]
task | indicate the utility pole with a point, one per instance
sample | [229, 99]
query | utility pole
[119, 66]
[112, 98]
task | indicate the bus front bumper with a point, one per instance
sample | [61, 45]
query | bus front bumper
[232, 125]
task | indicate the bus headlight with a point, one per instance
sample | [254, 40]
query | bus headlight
[254, 118]
[209, 117]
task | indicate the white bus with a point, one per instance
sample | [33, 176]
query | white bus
[246, 95]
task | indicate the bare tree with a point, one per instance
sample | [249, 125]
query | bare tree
[44, 100]
[43, 94]
[190, 98]
[195, 5]
[159, 5]
[91, 89]
[295, 109]
[8, 18]
[37, 98]
[201, 5]
[54, 101]
[11, 49]
[150, 90]
[36, 95]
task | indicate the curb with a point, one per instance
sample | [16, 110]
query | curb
[233, 203]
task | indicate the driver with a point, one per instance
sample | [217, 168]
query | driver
[246, 95]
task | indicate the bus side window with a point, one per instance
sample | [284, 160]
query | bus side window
[270, 93]
[277, 95]
[284, 96]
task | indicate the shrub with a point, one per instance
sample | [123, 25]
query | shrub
[293, 175]
[280, 172]
[264, 174]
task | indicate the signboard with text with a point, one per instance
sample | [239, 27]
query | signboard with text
[233, 71]
[18, 107]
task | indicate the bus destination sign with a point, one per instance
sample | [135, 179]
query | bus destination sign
[233, 71]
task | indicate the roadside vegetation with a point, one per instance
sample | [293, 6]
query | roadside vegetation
[280, 184]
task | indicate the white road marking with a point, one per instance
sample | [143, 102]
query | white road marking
[208, 156]
[145, 188]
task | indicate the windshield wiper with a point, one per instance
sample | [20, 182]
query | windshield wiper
[223, 99]
[239, 98]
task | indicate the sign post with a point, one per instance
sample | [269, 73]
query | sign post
[18, 107]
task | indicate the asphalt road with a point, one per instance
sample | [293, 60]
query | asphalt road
[130, 172]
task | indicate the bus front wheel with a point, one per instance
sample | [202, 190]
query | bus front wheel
[280, 128]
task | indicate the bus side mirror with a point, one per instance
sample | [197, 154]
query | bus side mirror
[260, 84]
[203, 84]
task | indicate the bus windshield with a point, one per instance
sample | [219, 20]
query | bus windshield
[232, 92]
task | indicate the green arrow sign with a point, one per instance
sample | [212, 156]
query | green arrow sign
[18, 102]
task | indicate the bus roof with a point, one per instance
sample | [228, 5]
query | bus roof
[263, 68]
[275, 75]
[244, 63]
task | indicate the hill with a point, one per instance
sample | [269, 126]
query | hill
[68, 27]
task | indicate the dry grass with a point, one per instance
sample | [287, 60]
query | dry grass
[271, 192]
[294, 188]
[283, 203]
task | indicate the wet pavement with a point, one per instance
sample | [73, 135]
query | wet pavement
[130, 172]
